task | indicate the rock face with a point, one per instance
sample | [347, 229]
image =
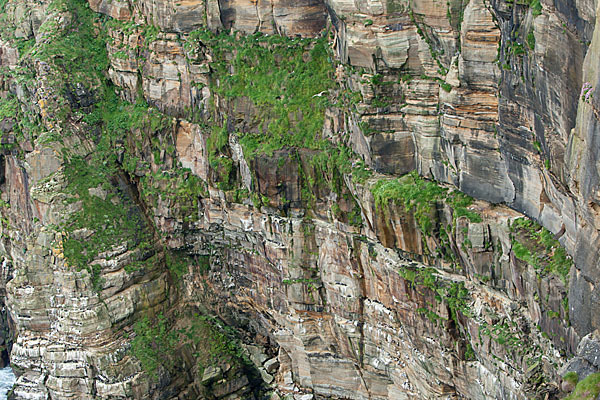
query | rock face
[214, 199]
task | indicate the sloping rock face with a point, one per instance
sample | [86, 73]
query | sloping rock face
[214, 199]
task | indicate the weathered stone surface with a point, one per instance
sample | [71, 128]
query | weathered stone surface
[223, 389]
[116, 9]
[211, 374]
[586, 361]
[589, 349]
[271, 365]
[460, 95]
[191, 149]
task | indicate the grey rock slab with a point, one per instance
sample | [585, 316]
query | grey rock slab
[271, 365]
[211, 374]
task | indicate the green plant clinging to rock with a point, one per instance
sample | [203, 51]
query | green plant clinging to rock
[415, 193]
[586, 389]
[571, 377]
[107, 218]
[287, 80]
[154, 341]
[106, 215]
[536, 8]
[536, 246]
[157, 341]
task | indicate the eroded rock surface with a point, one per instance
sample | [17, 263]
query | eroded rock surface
[171, 169]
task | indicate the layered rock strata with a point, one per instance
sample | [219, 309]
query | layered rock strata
[163, 179]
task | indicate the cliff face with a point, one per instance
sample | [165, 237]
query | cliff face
[214, 199]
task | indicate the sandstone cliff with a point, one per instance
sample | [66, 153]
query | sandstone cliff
[300, 199]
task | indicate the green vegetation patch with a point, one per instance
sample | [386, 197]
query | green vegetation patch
[536, 8]
[537, 247]
[586, 389]
[215, 343]
[79, 49]
[571, 377]
[520, 348]
[157, 340]
[8, 107]
[454, 294]
[460, 202]
[179, 187]
[108, 218]
[218, 157]
[420, 197]
[154, 342]
[534, 5]
[531, 39]
[412, 192]
[178, 262]
[286, 79]
[23, 124]
[71, 45]
[360, 173]
[74, 52]
[138, 125]
[289, 83]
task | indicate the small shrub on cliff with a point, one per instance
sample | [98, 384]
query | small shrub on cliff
[459, 202]
[360, 172]
[536, 8]
[531, 39]
[571, 377]
[587, 90]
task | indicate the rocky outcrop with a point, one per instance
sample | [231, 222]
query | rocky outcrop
[211, 199]
[6, 338]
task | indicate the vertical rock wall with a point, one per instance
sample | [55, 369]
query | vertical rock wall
[153, 195]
